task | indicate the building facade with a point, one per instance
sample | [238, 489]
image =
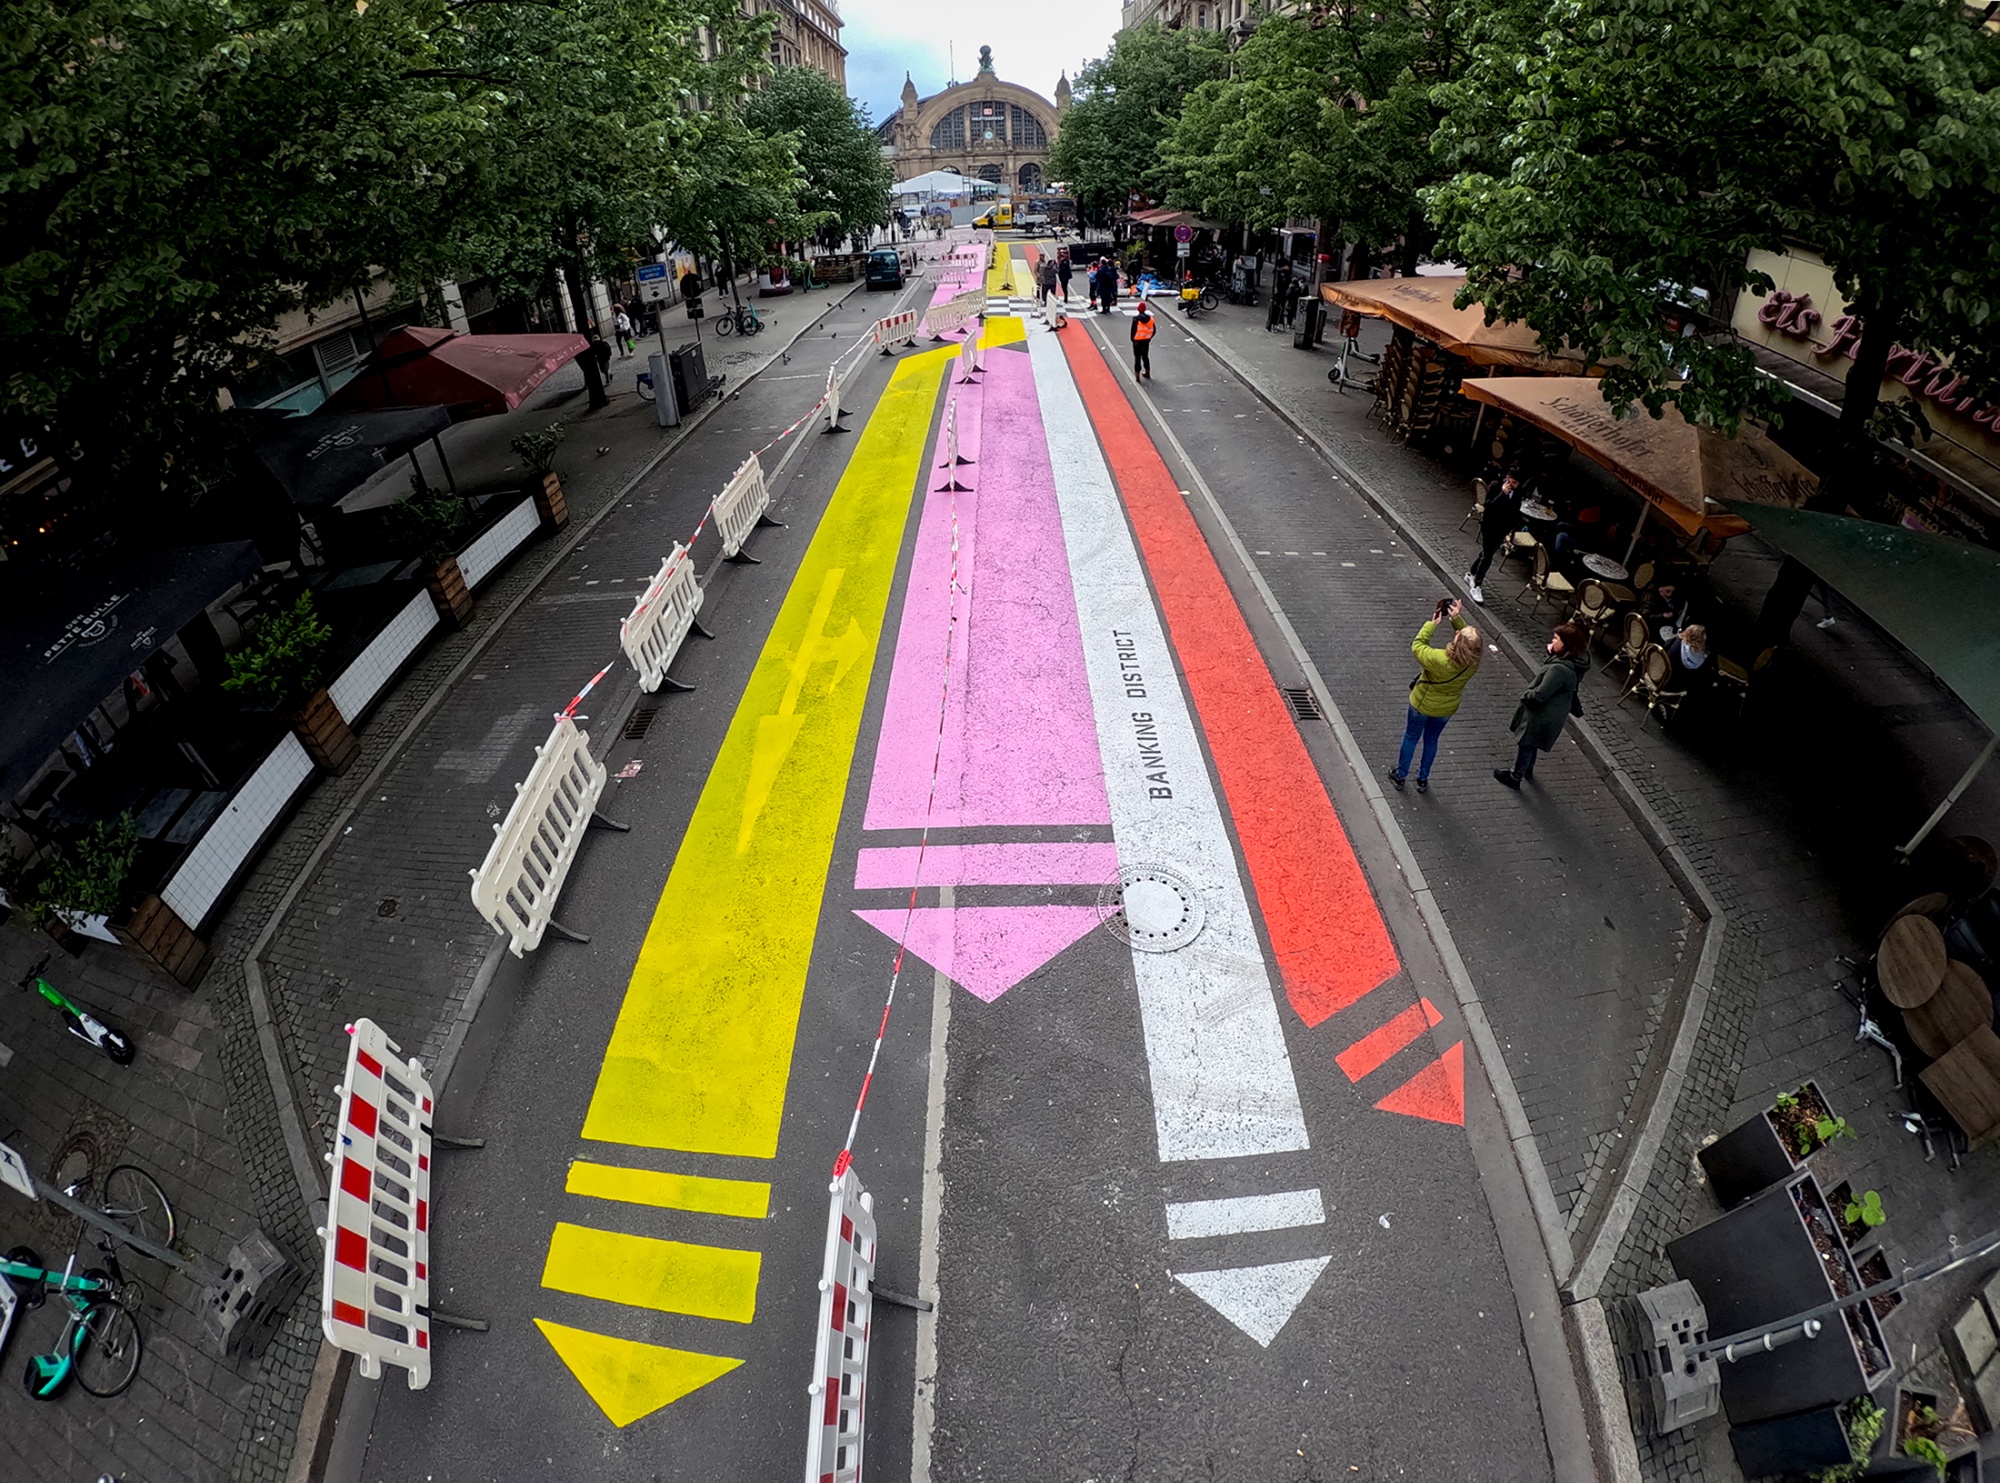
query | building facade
[997, 131]
[1238, 16]
[808, 35]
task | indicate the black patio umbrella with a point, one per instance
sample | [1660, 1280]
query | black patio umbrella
[69, 638]
[320, 458]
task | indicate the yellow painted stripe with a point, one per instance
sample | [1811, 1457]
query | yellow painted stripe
[748, 1198]
[629, 1379]
[672, 1276]
[1001, 330]
[702, 1049]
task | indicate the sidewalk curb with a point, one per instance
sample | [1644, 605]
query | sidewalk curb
[329, 1382]
[1581, 1278]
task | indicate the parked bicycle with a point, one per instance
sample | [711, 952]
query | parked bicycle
[1197, 299]
[741, 320]
[100, 1343]
[79, 1021]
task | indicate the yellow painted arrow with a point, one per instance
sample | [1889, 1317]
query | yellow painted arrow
[628, 1379]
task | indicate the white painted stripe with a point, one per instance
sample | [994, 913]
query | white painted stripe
[1222, 1078]
[1191, 1219]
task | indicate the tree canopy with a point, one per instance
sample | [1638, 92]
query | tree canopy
[843, 180]
[1122, 107]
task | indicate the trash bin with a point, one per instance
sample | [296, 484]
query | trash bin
[690, 373]
[1311, 314]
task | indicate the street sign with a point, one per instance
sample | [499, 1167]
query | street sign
[14, 1172]
[654, 285]
[1184, 234]
[1181, 248]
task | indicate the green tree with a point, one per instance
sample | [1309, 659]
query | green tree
[178, 174]
[843, 180]
[1124, 104]
[1324, 116]
[1616, 153]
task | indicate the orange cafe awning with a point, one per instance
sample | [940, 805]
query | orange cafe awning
[1683, 471]
[1423, 305]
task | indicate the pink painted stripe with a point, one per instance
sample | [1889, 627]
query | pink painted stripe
[1020, 738]
[1025, 864]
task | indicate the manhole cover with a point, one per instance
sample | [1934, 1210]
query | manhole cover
[1155, 909]
[387, 906]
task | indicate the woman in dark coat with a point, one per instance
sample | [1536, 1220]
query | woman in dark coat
[1548, 702]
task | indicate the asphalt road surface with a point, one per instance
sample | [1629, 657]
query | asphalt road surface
[1173, 1121]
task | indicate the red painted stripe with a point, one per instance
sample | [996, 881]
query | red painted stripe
[423, 1338]
[361, 1112]
[350, 1249]
[349, 1314]
[1377, 1046]
[423, 1215]
[840, 1304]
[368, 1063]
[1330, 940]
[421, 1269]
[355, 1180]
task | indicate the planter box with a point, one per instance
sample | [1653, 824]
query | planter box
[446, 585]
[551, 503]
[156, 934]
[1750, 1158]
[324, 733]
[1792, 1444]
[1760, 1263]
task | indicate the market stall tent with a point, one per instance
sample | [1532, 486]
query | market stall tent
[1424, 306]
[467, 375]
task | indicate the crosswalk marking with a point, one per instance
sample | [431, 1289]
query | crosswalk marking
[749, 1199]
[671, 1276]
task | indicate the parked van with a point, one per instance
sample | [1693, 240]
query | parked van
[1001, 215]
[885, 269]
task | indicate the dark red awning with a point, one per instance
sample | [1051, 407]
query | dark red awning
[467, 375]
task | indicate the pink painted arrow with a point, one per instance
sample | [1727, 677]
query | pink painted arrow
[986, 949]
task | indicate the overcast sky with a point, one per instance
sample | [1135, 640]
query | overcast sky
[1033, 41]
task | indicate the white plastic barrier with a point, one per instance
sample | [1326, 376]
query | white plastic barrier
[839, 1389]
[739, 507]
[968, 357]
[897, 329]
[1056, 315]
[654, 630]
[375, 1290]
[947, 318]
[834, 411]
[515, 888]
[953, 460]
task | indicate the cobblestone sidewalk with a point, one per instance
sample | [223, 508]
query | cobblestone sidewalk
[1788, 816]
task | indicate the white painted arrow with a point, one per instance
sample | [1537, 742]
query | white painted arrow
[1258, 1300]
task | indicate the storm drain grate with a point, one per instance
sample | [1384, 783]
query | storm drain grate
[641, 722]
[1304, 706]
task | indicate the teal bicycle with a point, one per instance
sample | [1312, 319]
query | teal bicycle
[100, 1343]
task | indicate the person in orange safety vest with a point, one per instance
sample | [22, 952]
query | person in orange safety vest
[1143, 327]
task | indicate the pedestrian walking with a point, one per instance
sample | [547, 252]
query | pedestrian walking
[1442, 675]
[621, 325]
[1047, 276]
[1091, 279]
[1109, 294]
[1063, 270]
[1547, 703]
[1143, 326]
[1281, 284]
[1499, 520]
[1295, 290]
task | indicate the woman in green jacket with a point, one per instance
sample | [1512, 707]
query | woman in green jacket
[1441, 678]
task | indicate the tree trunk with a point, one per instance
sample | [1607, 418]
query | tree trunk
[579, 304]
[1854, 457]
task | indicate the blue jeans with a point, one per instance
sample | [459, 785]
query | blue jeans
[1426, 727]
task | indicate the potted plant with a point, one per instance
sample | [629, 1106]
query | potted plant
[1760, 1152]
[1920, 1431]
[538, 451]
[1874, 1270]
[1860, 1214]
[280, 669]
[1863, 1420]
[81, 885]
[426, 526]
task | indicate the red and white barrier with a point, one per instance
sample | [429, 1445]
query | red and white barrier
[375, 1290]
[660, 620]
[968, 356]
[839, 1389]
[739, 507]
[516, 886]
[832, 400]
[897, 329]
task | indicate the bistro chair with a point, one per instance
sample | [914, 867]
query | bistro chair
[1548, 584]
[1593, 607]
[1478, 509]
[1521, 543]
[1642, 578]
[1651, 677]
[1738, 676]
[1636, 636]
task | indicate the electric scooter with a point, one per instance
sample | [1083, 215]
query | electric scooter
[79, 1021]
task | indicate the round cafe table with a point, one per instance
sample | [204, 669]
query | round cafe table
[1911, 960]
[1605, 567]
[1534, 509]
[1960, 1006]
